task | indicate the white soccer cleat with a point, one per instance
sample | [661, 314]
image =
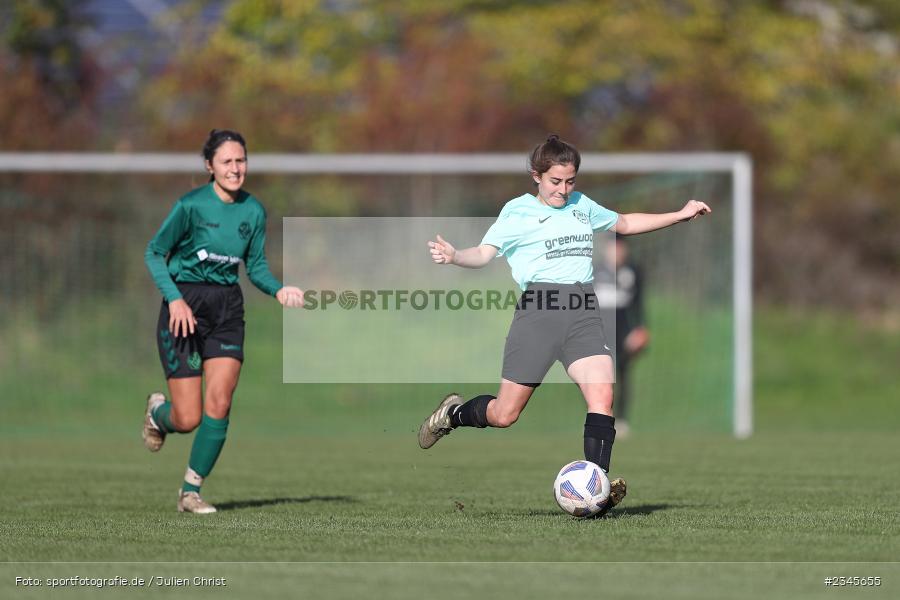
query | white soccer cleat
[437, 425]
[151, 433]
[192, 502]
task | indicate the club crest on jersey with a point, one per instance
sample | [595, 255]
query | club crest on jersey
[244, 230]
[581, 216]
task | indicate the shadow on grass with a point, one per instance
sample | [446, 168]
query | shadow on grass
[625, 511]
[257, 503]
[640, 509]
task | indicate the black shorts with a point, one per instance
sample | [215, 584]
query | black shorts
[552, 322]
[219, 310]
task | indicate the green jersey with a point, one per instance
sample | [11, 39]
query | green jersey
[205, 239]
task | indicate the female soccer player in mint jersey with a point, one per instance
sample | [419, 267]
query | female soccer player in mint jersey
[547, 238]
[194, 261]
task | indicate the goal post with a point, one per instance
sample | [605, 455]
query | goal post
[736, 166]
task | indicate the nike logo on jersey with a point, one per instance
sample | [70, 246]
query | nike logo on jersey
[544, 219]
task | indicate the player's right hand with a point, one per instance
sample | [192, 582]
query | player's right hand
[442, 251]
[181, 318]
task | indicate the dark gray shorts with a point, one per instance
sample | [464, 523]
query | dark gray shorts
[552, 322]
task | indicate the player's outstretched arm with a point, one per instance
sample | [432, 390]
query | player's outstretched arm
[633, 223]
[290, 296]
[443, 253]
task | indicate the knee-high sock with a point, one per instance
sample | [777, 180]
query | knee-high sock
[599, 435]
[207, 445]
[162, 416]
[472, 413]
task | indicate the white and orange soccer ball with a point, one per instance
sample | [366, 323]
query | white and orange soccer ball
[581, 489]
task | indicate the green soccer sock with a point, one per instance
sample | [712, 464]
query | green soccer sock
[162, 416]
[205, 451]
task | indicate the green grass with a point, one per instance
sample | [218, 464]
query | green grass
[326, 487]
[825, 372]
[477, 496]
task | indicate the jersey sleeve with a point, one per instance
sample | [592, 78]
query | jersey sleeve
[504, 234]
[602, 218]
[170, 233]
[257, 267]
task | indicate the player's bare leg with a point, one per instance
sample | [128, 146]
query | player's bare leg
[594, 376]
[221, 375]
[186, 395]
[501, 410]
[504, 410]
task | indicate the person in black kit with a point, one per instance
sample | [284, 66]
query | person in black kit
[632, 336]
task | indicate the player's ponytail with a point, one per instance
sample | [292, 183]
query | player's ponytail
[553, 151]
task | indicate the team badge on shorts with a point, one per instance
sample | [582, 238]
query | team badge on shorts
[581, 216]
[194, 361]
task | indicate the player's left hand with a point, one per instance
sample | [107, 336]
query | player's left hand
[693, 209]
[290, 297]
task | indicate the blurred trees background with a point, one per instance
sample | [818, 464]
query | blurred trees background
[809, 88]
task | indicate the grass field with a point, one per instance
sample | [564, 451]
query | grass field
[296, 498]
[318, 504]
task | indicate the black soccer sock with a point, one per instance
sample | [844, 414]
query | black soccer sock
[472, 413]
[599, 435]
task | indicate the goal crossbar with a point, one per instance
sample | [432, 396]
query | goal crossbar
[738, 165]
[376, 163]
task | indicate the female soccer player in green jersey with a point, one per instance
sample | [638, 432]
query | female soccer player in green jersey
[194, 259]
[547, 238]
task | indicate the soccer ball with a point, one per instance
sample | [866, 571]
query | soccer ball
[581, 488]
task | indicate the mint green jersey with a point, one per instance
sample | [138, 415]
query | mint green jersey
[549, 245]
[205, 239]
